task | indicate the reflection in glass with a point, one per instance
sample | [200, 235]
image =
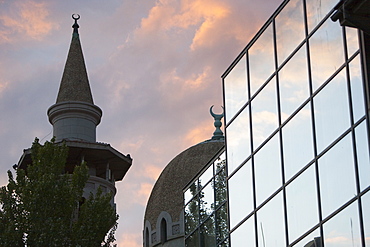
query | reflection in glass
[207, 233]
[190, 192]
[267, 169]
[293, 84]
[331, 111]
[221, 223]
[289, 29]
[193, 240]
[343, 229]
[220, 187]
[244, 234]
[206, 200]
[317, 10]
[236, 89]
[363, 155]
[191, 215]
[220, 162]
[264, 113]
[326, 51]
[238, 140]
[270, 223]
[240, 194]
[261, 60]
[337, 178]
[366, 216]
[310, 241]
[297, 142]
[357, 90]
[352, 40]
[206, 176]
[302, 204]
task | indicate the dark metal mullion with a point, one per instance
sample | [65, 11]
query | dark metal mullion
[364, 42]
[251, 149]
[349, 92]
[285, 211]
[313, 119]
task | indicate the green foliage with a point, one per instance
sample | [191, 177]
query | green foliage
[41, 206]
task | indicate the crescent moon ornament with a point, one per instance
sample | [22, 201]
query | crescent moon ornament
[76, 17]
[216, 116]
[217, 135]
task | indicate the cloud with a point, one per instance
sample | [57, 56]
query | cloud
[130, 240]
[200, 133]
[26, 18]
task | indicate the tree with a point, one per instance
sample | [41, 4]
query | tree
[43, 206]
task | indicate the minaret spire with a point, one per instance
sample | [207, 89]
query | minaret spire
[74, 115]
[75, 83]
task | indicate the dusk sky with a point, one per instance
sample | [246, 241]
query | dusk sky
[154, 69]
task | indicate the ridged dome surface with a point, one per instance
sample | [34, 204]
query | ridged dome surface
[167, 194]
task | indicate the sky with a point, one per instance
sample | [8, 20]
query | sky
[154, 69]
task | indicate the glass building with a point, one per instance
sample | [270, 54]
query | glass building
[297, 131]
[205, 210]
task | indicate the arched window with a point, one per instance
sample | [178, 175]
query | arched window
[147, 237]
[163, 231]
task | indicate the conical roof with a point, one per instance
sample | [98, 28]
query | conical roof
[75, 83]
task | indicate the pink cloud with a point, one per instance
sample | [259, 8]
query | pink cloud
[27, 18]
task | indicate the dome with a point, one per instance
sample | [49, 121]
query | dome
[167, 194]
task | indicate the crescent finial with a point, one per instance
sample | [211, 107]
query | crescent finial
[217, 135]
[215, 116]
[75, 25]
[75, 17]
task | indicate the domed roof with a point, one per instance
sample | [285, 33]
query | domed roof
[167, 194]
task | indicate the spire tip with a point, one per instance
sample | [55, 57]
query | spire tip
[75, 25]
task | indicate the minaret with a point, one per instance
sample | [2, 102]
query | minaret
[74, 118]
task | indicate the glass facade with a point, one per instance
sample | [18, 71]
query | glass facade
[297, 133]
[205, 206]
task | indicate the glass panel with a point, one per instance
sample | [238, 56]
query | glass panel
[206, 176]
[236, 93]
[224, 244]
[289, 29]
[297, 142]
[193, 240]
[264, 114]
[220, 187]
[337, 178]
[267, 168]
[261, 60]
[220, 162]
[317, 10]
[206, 202]
[357, 90]
[270, 223]
[363, 155]
[240, 194]
[238, 141]
[352, 40]
[293, 81]
[191, 215]
[343, 230]
[221, 223]
[207, 233]
[331, 111]
[312, 240]
[190, 192]
[244, 234]
[326, 48]
[302, 204]
[366, 216]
